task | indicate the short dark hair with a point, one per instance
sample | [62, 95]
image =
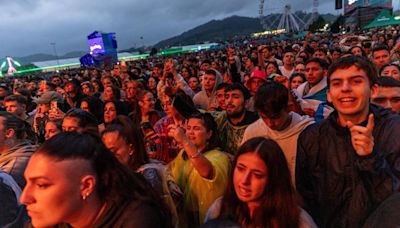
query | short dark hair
[238, 86]
[206, 61]
[212, 72]
[387, 82]
[321, 62]
[271, 98]
[86, 120]
[320, 49]
[361, 63]
[21, 128]
[18, 98]
[221, 86]
[380, 47]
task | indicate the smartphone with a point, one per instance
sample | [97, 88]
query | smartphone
[53, 105]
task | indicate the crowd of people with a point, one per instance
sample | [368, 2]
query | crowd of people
[262, 133]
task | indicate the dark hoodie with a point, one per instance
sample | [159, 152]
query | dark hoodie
[340, 188]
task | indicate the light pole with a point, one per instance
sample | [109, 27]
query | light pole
[55, 52]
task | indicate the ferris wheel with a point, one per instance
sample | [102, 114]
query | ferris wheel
[278, 18]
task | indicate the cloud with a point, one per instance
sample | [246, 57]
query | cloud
[29, 26]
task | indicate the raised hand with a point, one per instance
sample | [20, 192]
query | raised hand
[361, 137]
[177, 133]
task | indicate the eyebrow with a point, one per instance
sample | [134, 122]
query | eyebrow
[351, 77]
[37, 178]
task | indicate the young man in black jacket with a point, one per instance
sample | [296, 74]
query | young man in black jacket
[348, 164]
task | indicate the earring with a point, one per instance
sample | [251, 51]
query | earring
[131, 149]
[85, 196]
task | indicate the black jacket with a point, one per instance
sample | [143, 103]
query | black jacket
[340, 188]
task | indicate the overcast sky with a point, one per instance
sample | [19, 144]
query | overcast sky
[29, 26]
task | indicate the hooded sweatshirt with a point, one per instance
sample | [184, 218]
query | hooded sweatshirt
[202, 100]
[15, 160]
[286, 139]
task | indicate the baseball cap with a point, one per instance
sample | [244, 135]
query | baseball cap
[257, 74]
[49, 96]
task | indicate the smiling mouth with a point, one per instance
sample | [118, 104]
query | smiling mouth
[347, 99]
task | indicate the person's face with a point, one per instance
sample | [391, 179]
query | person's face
[204, 66]
[266, 53]
[391, 71]
[118, 146]
[250, 178]
[319, 54]
[278, 123]
[85, 106]
[235, 103]
[96, 86]
[108, 94]
[214, 65]
[350, 92]
[255, 83]
[356, 51]
[271, 69]
[209, 82]
[314, 73]
[193, 83]
[14, 107]
[296, 81]
[69, 88]
[288, 58]
[336, 55]
[169, 110]
[54, 197]
[381, 58]
[197, 133]
[43, 108]
[86, 90]
[152, 83]
[313, 44]
[71, 124]
[156, 72]
[106, 82]
[300, 68]
[390, 43]
[110, 112]
[387, 97]
[131, 89]
[148, 102]
[51, 130]
[56, 81]
[185, 73]
[221, 98]
[249, 64]
[31, 86]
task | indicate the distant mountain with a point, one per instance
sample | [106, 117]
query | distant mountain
[215, 30]
[74, 54]
[221, 30]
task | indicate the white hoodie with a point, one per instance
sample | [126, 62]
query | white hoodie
[286, 139]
